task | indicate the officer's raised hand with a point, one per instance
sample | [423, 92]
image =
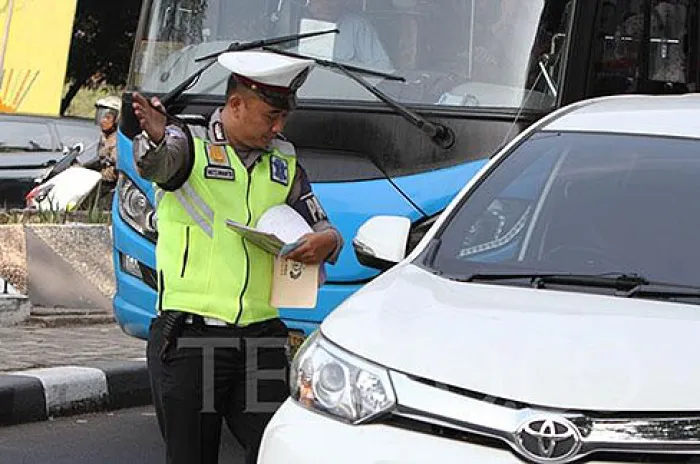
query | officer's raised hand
[315, 247]
[151, 120]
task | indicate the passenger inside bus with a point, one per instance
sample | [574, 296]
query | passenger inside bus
[357, 41]
[504, 40]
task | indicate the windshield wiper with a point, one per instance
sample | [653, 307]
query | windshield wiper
[334, 64]
[617, 281]
[440, 134]
[663, 290]
[627, 285]
[234, 47]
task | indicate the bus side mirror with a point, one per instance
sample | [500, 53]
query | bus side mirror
[380, 242]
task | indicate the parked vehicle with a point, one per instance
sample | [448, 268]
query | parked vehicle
[466, 76]
[550, 315]
[30, 146]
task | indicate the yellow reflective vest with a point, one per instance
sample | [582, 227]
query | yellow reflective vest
[203, 266]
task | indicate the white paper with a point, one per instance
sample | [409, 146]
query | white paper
[320, 46]
[294, 285]
[268, 242]
[278, 230]
[283, 222]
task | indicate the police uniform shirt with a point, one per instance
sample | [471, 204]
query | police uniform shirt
[163, 163]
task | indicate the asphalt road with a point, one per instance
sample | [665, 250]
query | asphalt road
[124, 436]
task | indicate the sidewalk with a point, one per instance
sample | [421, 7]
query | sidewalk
[68, 368]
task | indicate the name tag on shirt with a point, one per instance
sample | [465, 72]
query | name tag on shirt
[215, 172]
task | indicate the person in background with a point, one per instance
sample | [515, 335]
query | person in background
[107, 114]
[357, 41]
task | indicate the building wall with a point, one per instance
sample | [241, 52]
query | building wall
[35, 38]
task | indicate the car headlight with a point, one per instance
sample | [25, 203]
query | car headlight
[329, 380]
[135, 209]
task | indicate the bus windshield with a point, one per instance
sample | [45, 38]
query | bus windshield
[458, 53]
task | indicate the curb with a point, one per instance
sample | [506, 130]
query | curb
[40, 394]
[14, 309]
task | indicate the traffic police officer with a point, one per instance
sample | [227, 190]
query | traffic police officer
[213, 285]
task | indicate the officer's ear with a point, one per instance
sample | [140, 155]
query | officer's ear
[235, 102]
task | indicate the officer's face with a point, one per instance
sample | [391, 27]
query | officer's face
[255, 122]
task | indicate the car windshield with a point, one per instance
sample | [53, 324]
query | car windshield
[488, 53]
[584, 204]
[71, 134]
[19, 136]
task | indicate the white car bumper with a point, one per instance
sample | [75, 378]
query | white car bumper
[298, 436]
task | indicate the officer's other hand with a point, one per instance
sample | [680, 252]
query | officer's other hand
[151, 120]
[316, 247]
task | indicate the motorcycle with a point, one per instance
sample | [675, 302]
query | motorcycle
[65, 186]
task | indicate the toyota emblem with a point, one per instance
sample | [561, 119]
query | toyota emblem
[548, 439]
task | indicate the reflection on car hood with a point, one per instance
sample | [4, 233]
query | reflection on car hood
[542, 347]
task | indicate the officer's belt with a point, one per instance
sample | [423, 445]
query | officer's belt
[194, 319]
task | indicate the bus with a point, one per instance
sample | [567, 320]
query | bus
[437, 86]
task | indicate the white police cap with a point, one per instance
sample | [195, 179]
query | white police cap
[275, 78]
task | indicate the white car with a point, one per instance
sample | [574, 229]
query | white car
[550, 315]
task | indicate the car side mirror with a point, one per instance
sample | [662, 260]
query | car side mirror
[380, 242]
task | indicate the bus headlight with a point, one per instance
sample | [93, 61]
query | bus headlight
[135, 209]
[332, 381]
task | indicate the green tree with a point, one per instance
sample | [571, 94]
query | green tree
[102, 43]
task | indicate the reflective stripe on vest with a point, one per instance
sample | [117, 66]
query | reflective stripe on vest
[160, 193]
[198, 202]
[196, 216]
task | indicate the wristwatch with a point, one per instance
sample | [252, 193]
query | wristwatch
[151, 144]
[143, 146]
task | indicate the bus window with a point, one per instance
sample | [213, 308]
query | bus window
[644, 46]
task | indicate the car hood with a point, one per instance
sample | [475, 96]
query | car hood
[546, 348]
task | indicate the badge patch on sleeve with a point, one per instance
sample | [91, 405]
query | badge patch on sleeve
[279, 170]
[316, 212]
[218, 130]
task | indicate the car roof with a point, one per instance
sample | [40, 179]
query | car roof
[667, 115]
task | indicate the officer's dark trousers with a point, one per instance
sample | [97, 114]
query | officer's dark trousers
[246, 386]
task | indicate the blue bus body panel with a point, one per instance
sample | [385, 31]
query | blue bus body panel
[348, 205]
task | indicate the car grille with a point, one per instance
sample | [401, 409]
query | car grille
[481, 440]
[525, 430]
